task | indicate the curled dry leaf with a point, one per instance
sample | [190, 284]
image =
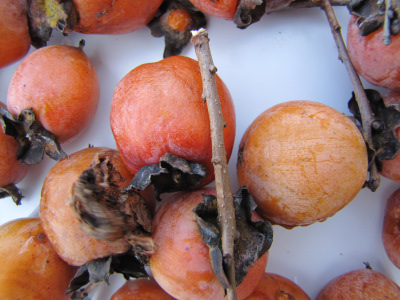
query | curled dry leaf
[253, 237]
[12, 191]
[33, 140]
[249, 12]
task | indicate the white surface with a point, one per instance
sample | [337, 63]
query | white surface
[288, 55]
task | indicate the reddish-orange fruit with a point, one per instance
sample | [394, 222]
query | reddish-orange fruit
[391, 228]
[302, 161]
[360, 285]
[11, 170]
[15, 40]
[60, 222]
[114, 17]
[181, 262]
[277, 287]
[179, 19]
[61, 85]
[141, 289]
[157, 108]
[378, 63]
[225, 9]
[30, 268]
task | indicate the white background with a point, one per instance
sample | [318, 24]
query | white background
[288, 55]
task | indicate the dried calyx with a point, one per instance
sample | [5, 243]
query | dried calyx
[387, 118]
[12, 191]
[33, 140]
[253, 238]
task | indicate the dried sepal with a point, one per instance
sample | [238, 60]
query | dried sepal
[46, 15]
[252, 240]
[12, 191]
[249, 12]
[176, 38]
[171, 174]
[108, 212]
[33, 140]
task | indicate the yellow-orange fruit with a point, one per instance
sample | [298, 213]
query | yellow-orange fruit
[302, 161]
[141, 289]
[30, 268]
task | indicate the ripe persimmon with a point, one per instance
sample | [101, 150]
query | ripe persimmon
[157, 108]
[60, 84]
[30, 268]
[15, 40]
[58, 218]
[225, 9]
[141, 289]
[114, 17]
[302, 161]
[376, 62]
[181, 261]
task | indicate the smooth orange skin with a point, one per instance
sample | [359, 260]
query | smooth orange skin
[302, 162]
[30, 268]
[15, 40]
[277, 287]
[61, 85]
[157, 108]
[360, 285]
[378, 63]
[60, 221]
[114, 17]
[391, 228]
[11, 170]
[224, 9]
[181, 263]
[141, 289]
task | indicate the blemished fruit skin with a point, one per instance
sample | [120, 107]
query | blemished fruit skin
[157, 108]
[391, 226]
[302, 162]
[277, 287]
[376, 62]
[141, 289]
[60, 84]
[11, 169]
[30, 268]
[15, 40]
[114, 17]
[181, 263]
[60, 221]
[360, 285]
[224, 9]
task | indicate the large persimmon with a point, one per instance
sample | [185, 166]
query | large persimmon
[302, 162]
[157, 108]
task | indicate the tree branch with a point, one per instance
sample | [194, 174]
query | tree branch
[226, 212]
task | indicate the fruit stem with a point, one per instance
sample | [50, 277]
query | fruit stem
[367, 115]
[226, 211]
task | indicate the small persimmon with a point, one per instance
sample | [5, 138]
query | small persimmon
[224, 9]
[141, 289]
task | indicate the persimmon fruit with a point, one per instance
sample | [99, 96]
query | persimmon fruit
[360, 284]
[114, 17]
[377, 63]
[224, 9]
[141, 289]
[276, 287]
[15, 40]
[157, 108]
[181, 263]
[302, 162]
[31, 268]
[60, 84]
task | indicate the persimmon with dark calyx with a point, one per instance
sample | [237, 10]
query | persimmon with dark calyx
[114, 17]
[276, 287]
[359, 285]
[59, 83]
[181, 262]
[157, 108]
[391, 226]
[302, 162]
[377, 63]
[15, 40]
[59, 219]
[141, 289]
[30, 267]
